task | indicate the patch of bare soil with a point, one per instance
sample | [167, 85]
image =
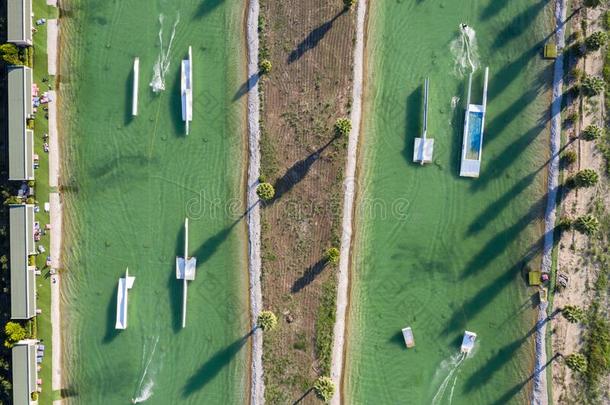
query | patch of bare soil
[310, 45]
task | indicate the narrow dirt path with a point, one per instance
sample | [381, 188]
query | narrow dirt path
[257, 388]
[348, 205]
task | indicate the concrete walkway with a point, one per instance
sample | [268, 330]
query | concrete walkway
[52, 36]
[350, 183]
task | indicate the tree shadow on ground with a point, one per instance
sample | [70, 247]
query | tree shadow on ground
[305, 394]
[310, 274]
[208, 248]
[297, 172]
[415, 102]
[517, 25]
[247, 86]
[313, 39]
[214, 365]
[493, 9]
[206, 7]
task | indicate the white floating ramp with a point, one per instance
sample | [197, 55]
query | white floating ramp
[407, 334]
[186, 89]
[125, 284]
[422, 151]
[468, 341]
[474, 125]
[185, 269]
[136, 80]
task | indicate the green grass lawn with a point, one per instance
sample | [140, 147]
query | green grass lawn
[43, 321]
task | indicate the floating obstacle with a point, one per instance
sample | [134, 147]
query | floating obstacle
[422, 151]
[125, 284]
[407, 334]
[185, 269]
[136, 79]
[186, 89]
[474, 124]
[468, 342]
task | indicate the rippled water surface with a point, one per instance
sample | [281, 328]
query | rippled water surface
[434, 251]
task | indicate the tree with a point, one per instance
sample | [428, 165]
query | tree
[569, 157]
[10, 54]
[349, 3]
[587, 224]
[265, 191]
[593, 85]
[584, 178]
[596, 40]
[14, 333]
[265, 66]
[592, 3]
[573, 313]
[4, 262]
[343, 126]
[324, 388]
[564, 224]
[591, 133]
[577, 362]
[332, 255]
[267, 321]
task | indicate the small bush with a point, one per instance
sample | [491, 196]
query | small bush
[569, 157]
[577, 362]
[349, 3]
[591, 133]
[571, 118]
[265, 191]
[324, 388]
[584, 178]
[343, 126]
[586, 224]
[10, 54]
[573, 313]
[332, 255]
[596, 40]
[14, 333]
[592, 3]
[34, 396]
[564, 224]
[593, 85]
[267, 321]
[265, 66]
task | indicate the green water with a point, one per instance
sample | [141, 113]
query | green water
[129, 185]
[434, 251]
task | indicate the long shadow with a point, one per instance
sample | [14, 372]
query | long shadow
[493, 9]
[111, 331]
[247, 86]
[208, 248]
[457, 127]
[174, 286]
[128, 97]
[206, 7]
[413, 118]
[516, 27]
[297, 172]
[305, 394]
[494, 128]
[213, 366]
[175, 106]
[313, 39]
[310, 274]
[397, 339]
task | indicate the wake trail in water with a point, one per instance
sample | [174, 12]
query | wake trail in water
[465, 51]
[145, 390]
[452, 366]
[161, 66]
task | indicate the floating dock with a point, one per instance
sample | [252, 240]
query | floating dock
[125, 284]
[407, 334]
[136, 80]
[474, 125]
[468, 341]
[185, 270]
[186, 89]
[422, 151]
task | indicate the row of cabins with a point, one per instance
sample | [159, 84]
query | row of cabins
[21, 216]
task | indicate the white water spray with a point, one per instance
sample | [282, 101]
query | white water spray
[145, 389]
[465, 51]
[451, 367]
[161, 66]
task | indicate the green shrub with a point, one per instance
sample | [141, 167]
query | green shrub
[267, 321]
[34, 396]
[332, 255]
[596, 40]
[573, 313]
[324, 388]
[586, 224]
[343, 126]
[265, 191]
[349, 3]
[592, 3]
[265, 66]
[14, 332]
[591, 133]
[577, 362]
[564, 224]
[13, 199]
[593, 85]
[569, 157]
[584, 178]
[10, 54]
[325, 323]
[571, 118]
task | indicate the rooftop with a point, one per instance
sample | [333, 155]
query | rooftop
[19, 22]
[23, 285]
[24, 371]
[21, 139]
